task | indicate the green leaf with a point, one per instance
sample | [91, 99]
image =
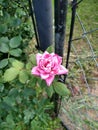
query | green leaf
[23, 76]
[10, 74]
[13, 92]
[9, 124]
[28, 92]
[1, 1]
[61, 89]
[3, 63]
[3, 28]
[42, 83]
[11, 60]
[33, 81]
[15, 22]
[18, 127]
[29, 66]
[32, 58]
[49, 90]
[35, 125]
[11, 101]
[16, 52]
[4, 40]
[1, 77]
[50, 49]
[4, 47]
[20, 12]
[1, 87]
[15, 42]
[28, 114]
[17, 64]
[10, 121]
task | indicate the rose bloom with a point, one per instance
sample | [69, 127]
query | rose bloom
[48, 65]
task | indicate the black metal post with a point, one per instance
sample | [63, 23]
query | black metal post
[74, 6]
[44, 21]
[60, 27]
[34, 24]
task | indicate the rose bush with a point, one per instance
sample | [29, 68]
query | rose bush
[48, 65]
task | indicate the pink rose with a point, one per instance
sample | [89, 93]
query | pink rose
[48, 65]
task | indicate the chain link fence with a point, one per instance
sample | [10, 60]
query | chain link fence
[80, 111]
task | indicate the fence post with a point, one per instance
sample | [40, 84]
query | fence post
[44, 21]
[74, 6]
[60, 27]
[34, 23]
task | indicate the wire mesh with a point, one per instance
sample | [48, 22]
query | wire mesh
[80, 111]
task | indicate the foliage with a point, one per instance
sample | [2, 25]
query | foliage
[15, 29]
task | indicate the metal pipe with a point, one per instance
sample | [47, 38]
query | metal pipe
[74, 6]
[44, 21]
[60, 25]
[34, 24]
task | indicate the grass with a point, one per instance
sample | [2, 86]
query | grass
[80, 111]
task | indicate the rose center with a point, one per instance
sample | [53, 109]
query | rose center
[46, 65]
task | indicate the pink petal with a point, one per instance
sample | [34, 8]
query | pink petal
[35, 71]
[52, 54]
[46, 55]
[38, 57]
[59, 60]
[62, 70]
[44, 76]
[49, 80]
